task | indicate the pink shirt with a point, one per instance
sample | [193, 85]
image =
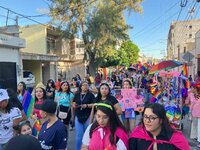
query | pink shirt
[36, 111]
[195, 106]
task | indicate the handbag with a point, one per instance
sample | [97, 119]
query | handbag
[61, 114]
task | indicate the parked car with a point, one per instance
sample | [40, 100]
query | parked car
[28, 78]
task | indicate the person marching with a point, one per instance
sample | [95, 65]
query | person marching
[129, 120]
[64, 97]
[155, 132]
[83, 103]
[107, 132]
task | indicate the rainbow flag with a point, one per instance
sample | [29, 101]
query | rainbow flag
[184, 72]
[28, 103]
[158, 95]
[153, 100]
[36, 128]
[37, 125]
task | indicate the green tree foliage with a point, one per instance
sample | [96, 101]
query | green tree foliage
[128, 53]
[101, 24]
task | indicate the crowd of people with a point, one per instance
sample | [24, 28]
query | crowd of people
[90, 106]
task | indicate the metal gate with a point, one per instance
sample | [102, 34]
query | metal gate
[8, 78]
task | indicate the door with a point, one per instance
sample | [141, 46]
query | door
[8, 77]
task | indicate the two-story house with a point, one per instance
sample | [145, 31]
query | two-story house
[48, 54]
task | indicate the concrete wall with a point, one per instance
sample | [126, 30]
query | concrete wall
[35, 36]
[182, 36]
[35, 67]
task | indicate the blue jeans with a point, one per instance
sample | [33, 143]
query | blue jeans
[80, 129]
[2, 146]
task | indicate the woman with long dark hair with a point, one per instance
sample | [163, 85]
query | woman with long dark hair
[105, 94]
[83, 103]
[107, 132]
[40, 96]
[21, 89]
[128, 120]
[50, 89]
[155, 132]
[64, 97]
[16, 103]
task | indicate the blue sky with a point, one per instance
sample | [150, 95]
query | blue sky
[150, 29]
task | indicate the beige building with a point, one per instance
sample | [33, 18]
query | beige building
[47, 54]
[40, 54]
[181, 38]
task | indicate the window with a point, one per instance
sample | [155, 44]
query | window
[51, 45]
[184, 50]
[190, 27]
[190, 35]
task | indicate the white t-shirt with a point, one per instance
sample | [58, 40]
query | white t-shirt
[86, 139]
[6, 124]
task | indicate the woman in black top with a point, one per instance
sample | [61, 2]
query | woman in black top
[83, 103]
[50, 89]
[105, 94]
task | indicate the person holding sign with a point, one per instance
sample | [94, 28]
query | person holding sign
[105, 94]
[128, 116]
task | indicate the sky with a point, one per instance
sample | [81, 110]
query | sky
[150, 28]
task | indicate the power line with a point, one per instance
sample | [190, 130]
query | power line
[142, 30]
[23, 16]
[157, 25]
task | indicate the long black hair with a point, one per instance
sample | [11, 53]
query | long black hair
[159, 111]
[24, 88]
[68, 90]
[99, 92]
[52, 84]
[113, 123]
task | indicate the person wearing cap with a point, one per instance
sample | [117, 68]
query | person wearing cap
[53, 133]
[9, 117]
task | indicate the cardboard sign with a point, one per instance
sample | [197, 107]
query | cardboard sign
[130, 98]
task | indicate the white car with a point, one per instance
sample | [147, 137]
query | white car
[28, 78]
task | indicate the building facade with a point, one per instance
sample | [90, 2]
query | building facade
[48, 54]
[10, 64]
[181, 38]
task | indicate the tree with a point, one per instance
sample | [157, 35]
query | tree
[128, 53]
[100, 22]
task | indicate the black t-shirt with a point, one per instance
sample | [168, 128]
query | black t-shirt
[110, 98]
[140, 144]
[79, 99]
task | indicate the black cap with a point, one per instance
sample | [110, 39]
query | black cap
[23, 142]
[48, 106]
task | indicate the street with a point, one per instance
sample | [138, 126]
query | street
[186, 132]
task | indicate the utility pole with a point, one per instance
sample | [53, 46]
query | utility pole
[7, 17]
